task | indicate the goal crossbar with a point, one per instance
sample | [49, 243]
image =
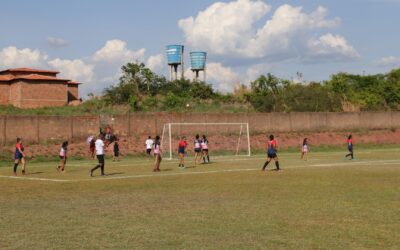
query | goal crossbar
[242, 124]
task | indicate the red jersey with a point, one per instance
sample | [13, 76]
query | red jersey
[271, 147]
[182, 144]
[19, 146]
[350, 142]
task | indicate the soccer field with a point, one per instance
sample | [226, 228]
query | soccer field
[327, 202]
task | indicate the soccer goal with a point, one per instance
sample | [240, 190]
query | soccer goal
[224, 138]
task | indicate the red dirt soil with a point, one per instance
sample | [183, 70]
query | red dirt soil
[135, 145]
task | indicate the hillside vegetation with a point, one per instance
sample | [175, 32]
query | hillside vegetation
[141, 90]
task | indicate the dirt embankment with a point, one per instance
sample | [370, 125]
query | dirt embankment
[135, 145]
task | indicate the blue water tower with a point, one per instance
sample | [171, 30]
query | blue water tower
[175, 59]
[198, 63]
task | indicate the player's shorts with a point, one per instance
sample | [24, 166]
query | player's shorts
[116, 153]
[272, 154]
[148, 151]
[92, 149]
[18, 156]
[197, 150]
[62, 157]
[100, 158]
[205, 150]
[181, 150]
[350, 148]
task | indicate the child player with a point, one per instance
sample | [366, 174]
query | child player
[116, 150]
[182, 144]
[157, 154]
[63, 157]
[350, 147]
[304, 149]
[149, 145]
[92, 146]
[204, 149]
[100, 155]
[19, 156]
[272, 149]
[197, 149]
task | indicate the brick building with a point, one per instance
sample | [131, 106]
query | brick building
[32, 88]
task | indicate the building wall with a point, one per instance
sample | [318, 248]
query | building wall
[73, 93]
[4, 94]
[15, 94]
[41, 94]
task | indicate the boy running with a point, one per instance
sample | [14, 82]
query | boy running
[197, 149]
[100, 156]
[63, 157]
[149, 145]
[272, 149]
[304, 149]
[350, 147]
[204, 149]
[19, 156]
[182, 144]
[157, 154]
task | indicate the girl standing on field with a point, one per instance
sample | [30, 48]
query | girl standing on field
[272, 150]
[350, 147]
[157, 154]
[19, 156]
[305, 149]
[197, 149]
[182, 144]
[204, 149]
[63, 157]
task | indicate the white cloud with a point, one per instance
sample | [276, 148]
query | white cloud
[56, 42]
[332, 47]
[223, 78]
[12, 57]
[389, 61]
[77, 69]
[156, 63]
[232, 30]
[117, 51]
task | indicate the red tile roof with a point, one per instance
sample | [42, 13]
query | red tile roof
[34, 77]
[74, 83]
[29, 70]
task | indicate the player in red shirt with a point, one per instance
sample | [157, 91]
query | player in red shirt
[19, 156]
[182, 144]
[272, 150]
[350, 147]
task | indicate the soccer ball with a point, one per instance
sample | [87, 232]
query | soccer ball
[187, 105]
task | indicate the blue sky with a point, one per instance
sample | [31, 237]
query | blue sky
[89, 40]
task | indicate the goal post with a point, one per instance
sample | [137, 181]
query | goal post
[224, 138]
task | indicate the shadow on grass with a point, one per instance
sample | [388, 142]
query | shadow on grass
[118, 173]
[166, 170]
[35, 173]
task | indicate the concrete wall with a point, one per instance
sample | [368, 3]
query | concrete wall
[56, 128]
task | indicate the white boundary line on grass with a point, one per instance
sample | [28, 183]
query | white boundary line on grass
[369, 163]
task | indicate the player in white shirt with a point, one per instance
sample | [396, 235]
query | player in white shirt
[100, 155]
[204, 149]
[63, 157]
[149, 145]
[197, 149]
[157, 154]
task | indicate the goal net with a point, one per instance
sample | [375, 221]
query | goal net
[223, 138]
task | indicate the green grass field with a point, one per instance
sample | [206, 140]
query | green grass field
[325, 203]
